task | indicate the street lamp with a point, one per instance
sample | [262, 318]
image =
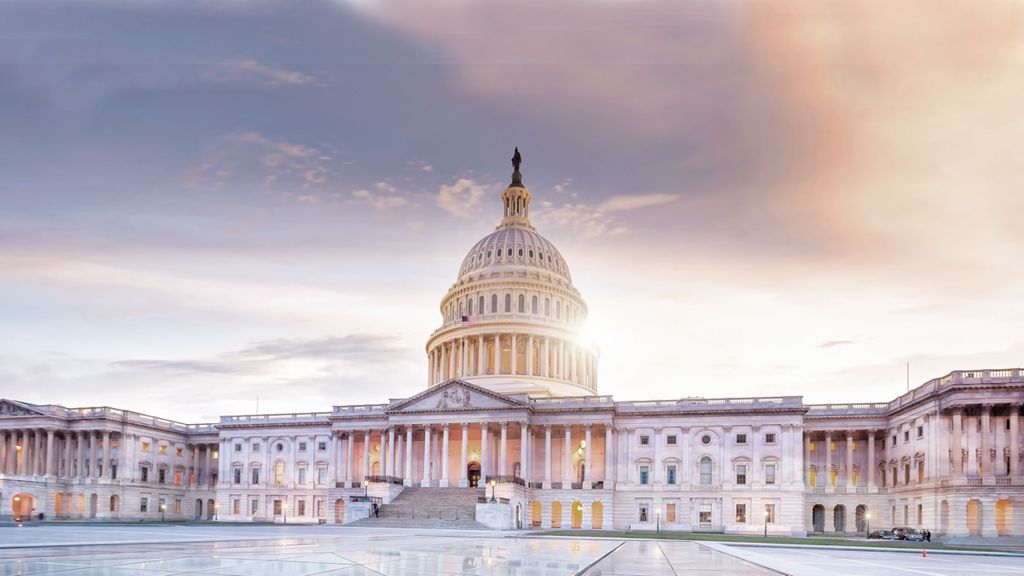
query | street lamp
[163, 507]
[366, 488]
[657, 520]
[867, 521]
[493, 484]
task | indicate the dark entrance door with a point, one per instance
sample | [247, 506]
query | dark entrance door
[473, 471]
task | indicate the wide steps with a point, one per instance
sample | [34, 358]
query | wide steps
[429, 508]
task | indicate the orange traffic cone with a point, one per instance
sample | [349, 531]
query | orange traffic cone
[924, 553]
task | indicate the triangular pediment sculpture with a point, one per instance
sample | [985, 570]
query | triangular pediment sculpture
[456, 395]
[15, 408]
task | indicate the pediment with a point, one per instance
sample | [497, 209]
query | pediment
[456, 396]
[15, 408]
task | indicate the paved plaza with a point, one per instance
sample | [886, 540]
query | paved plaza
[310, 550]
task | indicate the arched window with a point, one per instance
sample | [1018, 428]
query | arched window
[705, 470]
[494, 303]
[547, 307]
[533, 305]
[480, 305]
[278, 473]
[558, 310]
[508, 302]
[469, 307]
[520, 252]
[509, 253]
[522, 303]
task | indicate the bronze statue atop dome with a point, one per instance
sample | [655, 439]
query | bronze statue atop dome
[517, 178]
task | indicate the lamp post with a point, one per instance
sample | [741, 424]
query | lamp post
[867, 522]
[163, 507]
[657, 521]
[366, 488]
[493, 484]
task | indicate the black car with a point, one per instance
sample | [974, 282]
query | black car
[882, 535]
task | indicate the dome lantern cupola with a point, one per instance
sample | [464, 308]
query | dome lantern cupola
[512, 320]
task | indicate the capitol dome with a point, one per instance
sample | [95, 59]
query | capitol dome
[511, 322]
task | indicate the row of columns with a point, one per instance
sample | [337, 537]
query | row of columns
[482, 354]
[990, 441]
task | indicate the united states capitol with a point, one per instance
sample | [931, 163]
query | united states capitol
[512, 432]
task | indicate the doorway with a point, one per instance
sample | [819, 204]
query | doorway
[473, 471]
[22, 507]
[818, 518]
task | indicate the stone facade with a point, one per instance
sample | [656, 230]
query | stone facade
[512, 397]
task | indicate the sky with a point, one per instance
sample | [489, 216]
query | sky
[205, 203]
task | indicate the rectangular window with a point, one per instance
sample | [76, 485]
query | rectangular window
[906, 436]
[643, 512]
[145, 446]
[236, 506]
[277, 507]
[769, 474]
[144, 504]
[179, 452]
[177, 505]
[645, 440]
[301, 505]
[920, 471]
[145, 474]
[832, 446]
[238, 447]
[237, 476]
[319, 508]
[832, 477]
[906, 473]
[920, 514]
[741, 513]
[670, 513]
[113, 471]
[255, 475]
[644, 472]
[161, 505]
[321, 446]
[178, 477]
[855, 475]
[814, 478]
[920, 431]
[769, 513]
[893, 439]
[302, 446]
[163, 448]
[302, 475]
[741, 473]
[671, 473]
[704, 515]
[769, 438]
[895, 475]
[321, 475]
[161, 476]
[254, 506]
[741, 438]
[812, 445]
[256, 447]
[670, 440]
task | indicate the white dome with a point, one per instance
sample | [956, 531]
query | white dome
[514, 246]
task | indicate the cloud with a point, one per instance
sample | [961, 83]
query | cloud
[463, 197]
[592, 221]
[278, 164]
[834, 343]
[383, 199]
[624, 203]
[270, 76]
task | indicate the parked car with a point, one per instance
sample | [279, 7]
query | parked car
[882, 535]
[904, 533]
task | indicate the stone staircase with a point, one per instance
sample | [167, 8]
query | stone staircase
[429, 508]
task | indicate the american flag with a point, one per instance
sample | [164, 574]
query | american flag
[467, 320]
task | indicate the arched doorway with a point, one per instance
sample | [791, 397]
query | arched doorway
[556, 514]
[473, 472]
[536, 514]
[974, 517]
[597, 515]
[58, 505]
[818, 518]
[339, 511]
[861, 518]
[94, 504]
[211, 508]
[22, 506]
[839, 518]
[115, 506]
[1004, 517]
[576, 522]
[198, 512]
[581, 470]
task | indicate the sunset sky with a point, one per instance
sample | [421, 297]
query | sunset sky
[205, 202]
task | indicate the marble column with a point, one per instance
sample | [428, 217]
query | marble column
[871, 459]
[567, 464]
[69, 453]
[481, 367]
[828, 460]
[524, 454]
[588, 463]
[350, 457]
[366, 454]
[391, 452]
[545, 358]
[497, 355]
[443, 375]
[408, 456]
[444, 456]
[195, 464]
[514, 356]
[609, 441]
[985, 462]
[464, 466]
[83, 469]
[37, 452]
[484, 464]
[207, 480]
[425, 480]
[529, 355]
[547, 456]
[1014, 439]
[503, 448]
[958, 438]
[849, 460]
[49, 468]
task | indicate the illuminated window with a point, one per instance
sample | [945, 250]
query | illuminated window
[769, 513]
[179, 452]
[163, 448]
[832, 477]
[145, 446]
[812, 445]
[279, 473]
[741, 513]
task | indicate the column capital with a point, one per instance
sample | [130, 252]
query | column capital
[986, 408]
[587, 426]
[504, 425]
[568, 427]
[465, 425]
[547, 427]
[957, 408]
[444, 426]
[426, 426]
